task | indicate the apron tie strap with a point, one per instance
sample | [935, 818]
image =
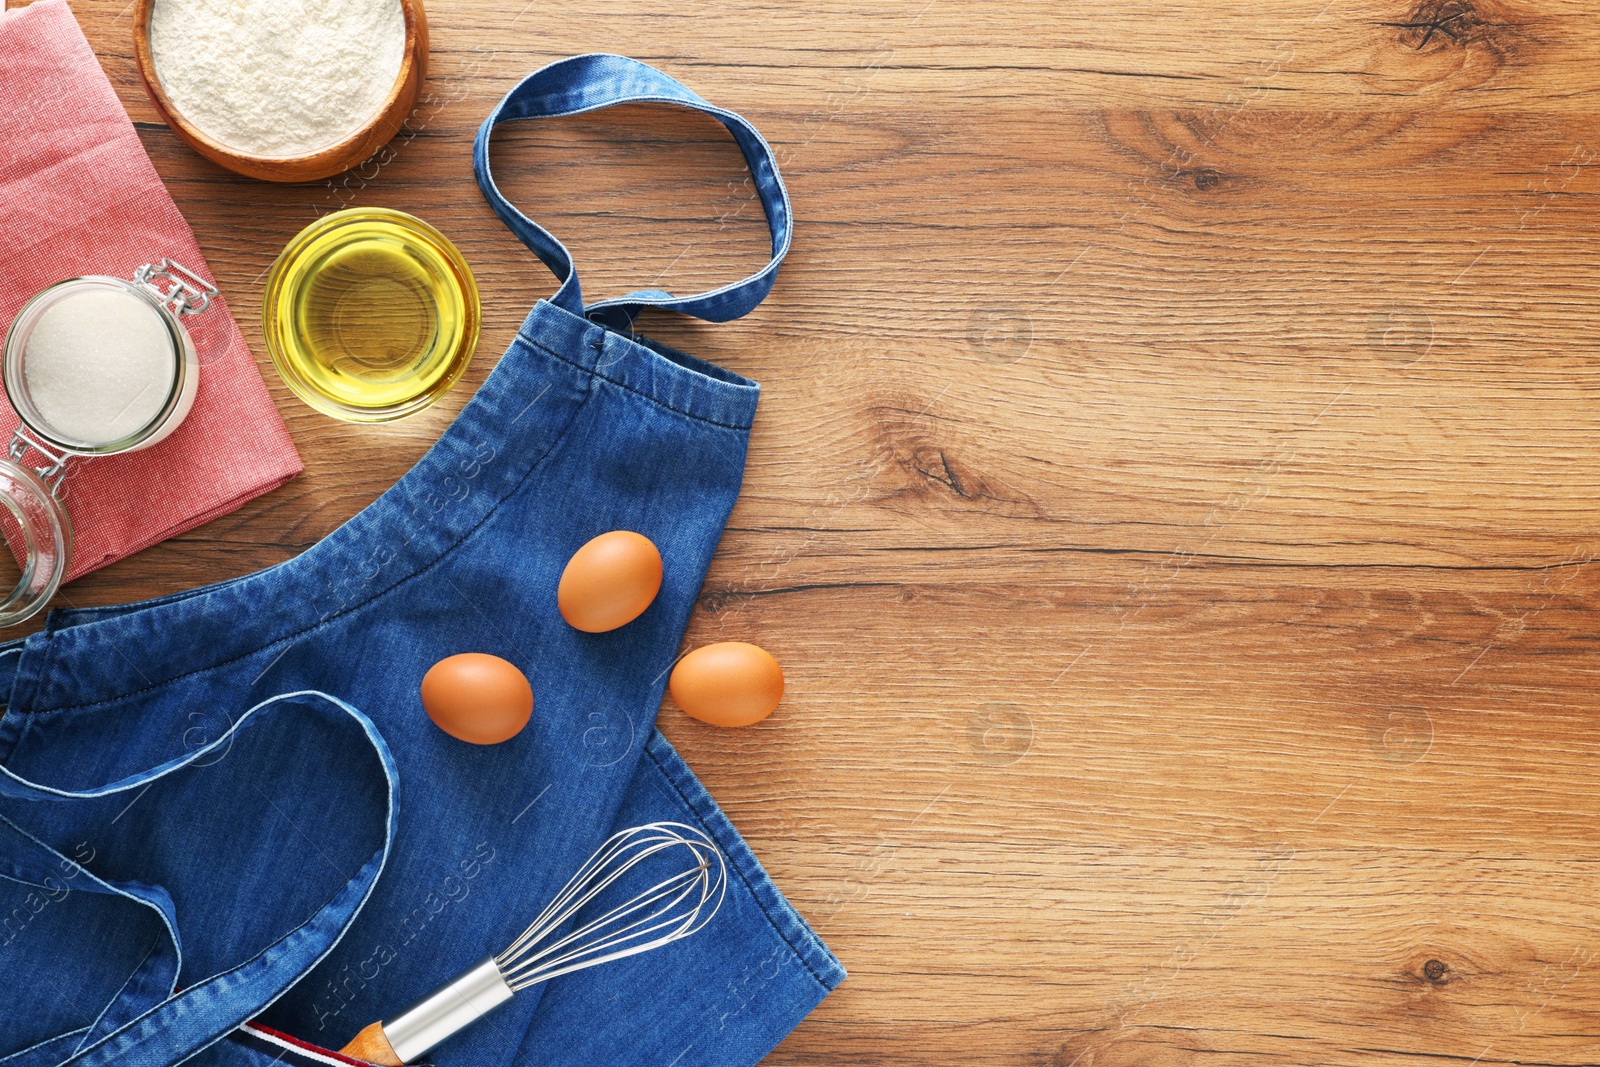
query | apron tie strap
[588, 83]
[148, 1024]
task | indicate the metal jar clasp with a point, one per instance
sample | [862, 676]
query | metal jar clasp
[54, 468]
[185, 292]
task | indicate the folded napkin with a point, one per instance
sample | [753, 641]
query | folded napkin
[78, 196]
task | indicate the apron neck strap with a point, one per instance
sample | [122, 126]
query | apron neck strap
[588, 83]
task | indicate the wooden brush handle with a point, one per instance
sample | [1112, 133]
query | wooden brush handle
[372, 1046]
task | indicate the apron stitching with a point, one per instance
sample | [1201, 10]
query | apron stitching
[637, 392]
[296, 635]
[41, 1044]
[798, 954]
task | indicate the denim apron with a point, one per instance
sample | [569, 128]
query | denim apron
[227, 807]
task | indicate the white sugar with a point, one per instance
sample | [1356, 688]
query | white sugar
[99, 365]
[278, 77]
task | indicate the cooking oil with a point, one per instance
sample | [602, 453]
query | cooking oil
[370, 314]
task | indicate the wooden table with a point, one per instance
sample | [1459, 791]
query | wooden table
[1174, 498]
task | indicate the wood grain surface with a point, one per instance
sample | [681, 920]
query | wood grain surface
[1173, 500]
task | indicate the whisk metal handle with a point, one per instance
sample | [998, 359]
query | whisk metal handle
[450, 1008]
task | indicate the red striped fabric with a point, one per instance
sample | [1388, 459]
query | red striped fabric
[290, 1051]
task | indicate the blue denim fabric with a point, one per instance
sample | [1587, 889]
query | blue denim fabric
[228, 804]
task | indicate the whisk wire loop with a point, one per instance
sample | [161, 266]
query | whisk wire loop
[672, 908]
[660, 892]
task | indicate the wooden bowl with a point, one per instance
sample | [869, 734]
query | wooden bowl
[317, 165]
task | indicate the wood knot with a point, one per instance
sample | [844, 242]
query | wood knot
[1206, 179]
[1443, 23]
[1436, 972]
[717, 601]
[935, 469]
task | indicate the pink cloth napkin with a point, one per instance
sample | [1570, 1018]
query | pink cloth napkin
[78, 196]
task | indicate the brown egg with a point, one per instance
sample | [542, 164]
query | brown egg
[609, 581]
[477, 698]
[727, 684]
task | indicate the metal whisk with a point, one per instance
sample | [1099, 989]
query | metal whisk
[673, 908]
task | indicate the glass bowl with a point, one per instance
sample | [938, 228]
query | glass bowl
[370, 315]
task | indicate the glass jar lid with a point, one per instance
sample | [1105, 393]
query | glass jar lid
[97, 365]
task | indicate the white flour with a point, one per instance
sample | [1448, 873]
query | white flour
[277, 77]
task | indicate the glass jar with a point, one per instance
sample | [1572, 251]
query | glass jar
[93, 366]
